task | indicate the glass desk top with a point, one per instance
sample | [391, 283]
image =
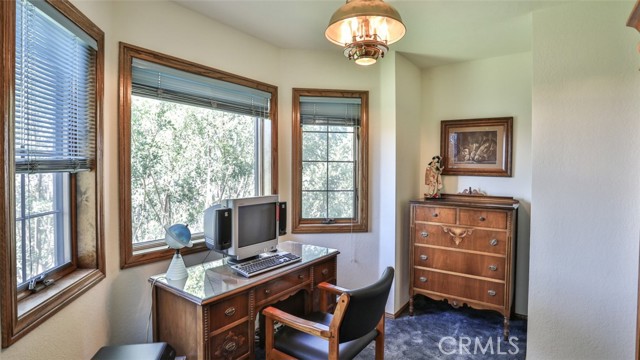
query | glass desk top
[214, 278]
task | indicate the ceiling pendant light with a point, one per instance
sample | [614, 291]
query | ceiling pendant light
[365, 28]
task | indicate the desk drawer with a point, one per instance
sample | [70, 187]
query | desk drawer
[460, 286]
[325, 271]
[275, 288]
[227, 311]
[230, 344]
[460, 262]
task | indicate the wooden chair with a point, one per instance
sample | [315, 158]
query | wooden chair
[357, 320]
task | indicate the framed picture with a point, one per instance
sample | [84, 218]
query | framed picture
[477, 147]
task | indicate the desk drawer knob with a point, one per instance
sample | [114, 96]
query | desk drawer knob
[267, 291]
[230, 311]
[482, 218]
[424, 234]
[423, 279]
[301, 276]
[493, 242]
[325, 272]
[491, 293]
[493, 267]
[435, 215]
[230, 346]
[424, 257]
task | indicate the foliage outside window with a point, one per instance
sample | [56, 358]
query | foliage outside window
[329, 161]
[51, 240]
[193, 136]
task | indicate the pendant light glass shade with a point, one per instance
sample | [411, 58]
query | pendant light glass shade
[365, 28]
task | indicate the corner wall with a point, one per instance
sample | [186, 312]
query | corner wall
[409, 172]
[492, 87]
[586, 140]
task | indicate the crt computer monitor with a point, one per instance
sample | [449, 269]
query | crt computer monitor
[242, 228]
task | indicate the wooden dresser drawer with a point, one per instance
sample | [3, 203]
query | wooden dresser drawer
[227, 311]
[325, 271]
[435, 214]
[460, 286]
[230, 344]
[277, 287]
[488, 241]
[455, 261]
[483, 218]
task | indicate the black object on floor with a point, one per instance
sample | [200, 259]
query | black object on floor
[150, 351]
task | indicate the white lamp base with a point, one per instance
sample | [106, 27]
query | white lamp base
[177, 270]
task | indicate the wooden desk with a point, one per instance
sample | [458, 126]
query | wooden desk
[212, 313]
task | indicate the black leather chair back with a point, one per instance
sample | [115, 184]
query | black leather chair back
[366, 306]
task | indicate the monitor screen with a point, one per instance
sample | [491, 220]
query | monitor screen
[258, 224]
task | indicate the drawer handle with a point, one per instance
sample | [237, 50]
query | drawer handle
[493, 267]
[491, 293]
[424, 257]
[325, 272]
[482, 218]
[230, 346]
[457, 233]
[435, 215]
[267, 291]
[493, 242]
[300, 276]
[424, 234]
[423, 279]
[230, 311]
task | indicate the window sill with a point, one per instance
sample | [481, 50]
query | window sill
[148, 255]
[34, 309]
[319, 228]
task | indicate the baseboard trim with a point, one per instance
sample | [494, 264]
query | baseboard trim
[520, 316]
[397, 313]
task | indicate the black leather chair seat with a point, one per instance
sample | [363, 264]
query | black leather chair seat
[309, 347]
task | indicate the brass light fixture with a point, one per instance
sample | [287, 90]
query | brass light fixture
[365, 28]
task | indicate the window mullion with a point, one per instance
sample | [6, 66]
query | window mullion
[326, 193]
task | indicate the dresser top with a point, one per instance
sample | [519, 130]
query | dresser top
[479, 201]
[214, 279]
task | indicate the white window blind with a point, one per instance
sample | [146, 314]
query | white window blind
[55, 84]
[329, 111]
[165, 83]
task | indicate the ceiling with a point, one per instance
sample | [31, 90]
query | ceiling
[438, 31]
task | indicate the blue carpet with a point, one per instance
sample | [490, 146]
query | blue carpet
[438, 331]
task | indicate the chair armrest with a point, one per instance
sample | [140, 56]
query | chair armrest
[309, 327]
[334, 289]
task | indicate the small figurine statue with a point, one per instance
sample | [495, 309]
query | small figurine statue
[432, 177]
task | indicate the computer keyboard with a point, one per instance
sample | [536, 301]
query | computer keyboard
[265, 263]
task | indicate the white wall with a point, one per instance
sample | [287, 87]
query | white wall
[409, 171]
[487, 88]
[584, 220]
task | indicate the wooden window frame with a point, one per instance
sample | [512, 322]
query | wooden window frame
[23, 311]
[361, 221]
[153, 251]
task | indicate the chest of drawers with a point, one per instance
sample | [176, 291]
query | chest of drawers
[463, 251]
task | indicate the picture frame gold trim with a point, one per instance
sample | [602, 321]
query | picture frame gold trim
[477, 147]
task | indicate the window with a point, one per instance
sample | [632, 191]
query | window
[329, 161]
[191, 136]
[52, 249]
